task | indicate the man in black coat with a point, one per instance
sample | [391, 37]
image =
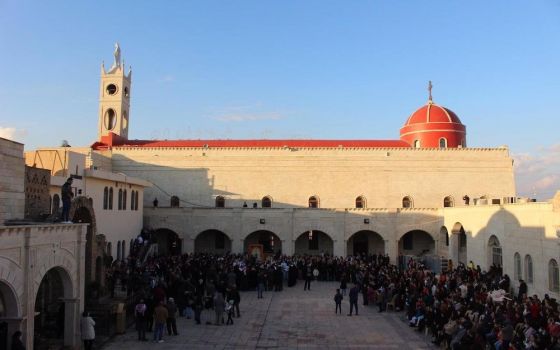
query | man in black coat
[353, 297]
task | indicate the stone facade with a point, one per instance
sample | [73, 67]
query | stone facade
[336, 176]
[12, 175]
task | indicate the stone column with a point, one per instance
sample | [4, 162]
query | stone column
[237, 245]
[339, 248]
[71, 323]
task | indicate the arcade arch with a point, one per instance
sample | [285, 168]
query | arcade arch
[168, 242]
[212, 241]
[365, 242]
[270, 242]
[53, 318]
[417, 242]
[314, 242]
[9, 310]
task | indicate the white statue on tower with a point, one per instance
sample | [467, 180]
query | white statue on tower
[117, 54]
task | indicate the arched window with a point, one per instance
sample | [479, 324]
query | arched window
[443, 142]
[528, 269]
[136, 203]
[416, 143]
[105, 198]
[266, 202]
[120, 200]
[448, 202]
[220, 202]
[553, 278]
[132, 194]
[313, 202]
[111, 198]
[407, 202]
[124, 200]
[517, 267]
[174, 202]
[361, 202]
[55, 203]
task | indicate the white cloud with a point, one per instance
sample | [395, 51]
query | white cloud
[538, 173]
[167, 79]
[12, 133]
[241, 117]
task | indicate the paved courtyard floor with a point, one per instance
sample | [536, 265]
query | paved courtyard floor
[291, 319]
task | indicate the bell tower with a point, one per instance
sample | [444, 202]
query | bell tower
[114, 99]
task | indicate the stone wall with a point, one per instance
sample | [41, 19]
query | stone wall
[12, 175]
[37, 196]
[336, 176]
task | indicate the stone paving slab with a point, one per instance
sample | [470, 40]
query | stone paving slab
[291, 319]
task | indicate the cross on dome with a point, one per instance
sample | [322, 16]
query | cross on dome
[430, 86]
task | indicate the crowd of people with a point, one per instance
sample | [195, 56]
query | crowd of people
[461, 308]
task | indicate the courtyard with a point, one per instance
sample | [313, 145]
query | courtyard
[290, 319]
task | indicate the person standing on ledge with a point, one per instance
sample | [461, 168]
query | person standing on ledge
[67, 195]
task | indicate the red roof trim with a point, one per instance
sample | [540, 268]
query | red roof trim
[263, 143]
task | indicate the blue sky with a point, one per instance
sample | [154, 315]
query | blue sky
[289, 69]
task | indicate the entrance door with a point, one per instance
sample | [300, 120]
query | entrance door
[360, 247]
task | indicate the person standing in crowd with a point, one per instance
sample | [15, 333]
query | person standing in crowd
[232, 294]
[219, 307]
[353, 297]
[67, 195]
[17, 343]
[260, 284]
[343, 284]
[160, 319]
[197, 307]
[87, 327]
[230, 311]
[308, 277]
[171, 317]
[140, 317]
[338, 302]
[522, 290]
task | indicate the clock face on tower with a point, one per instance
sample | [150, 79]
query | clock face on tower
[111, 89]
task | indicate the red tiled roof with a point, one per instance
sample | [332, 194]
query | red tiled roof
[252, 143]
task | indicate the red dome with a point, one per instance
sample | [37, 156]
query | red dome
[432, 113]
[434, 126]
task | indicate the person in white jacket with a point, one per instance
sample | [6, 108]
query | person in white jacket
[87, 326]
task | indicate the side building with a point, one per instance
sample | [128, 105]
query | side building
[41, 265]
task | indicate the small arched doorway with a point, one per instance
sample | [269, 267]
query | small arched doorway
[314, 242]
[459, 240]
[168, 242]
[494, 252]
[417, 243]
[270, 242]
[51, 315]
[212, 241]
[365, 242]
